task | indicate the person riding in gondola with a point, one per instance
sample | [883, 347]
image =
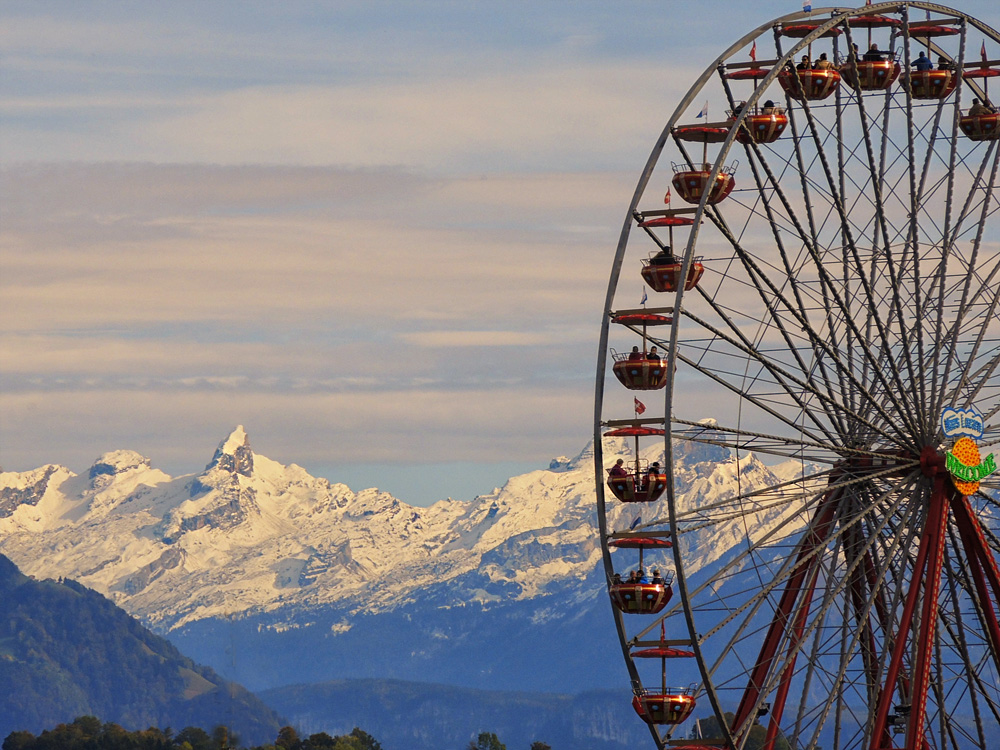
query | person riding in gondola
[653, 354]
[618, 470]
[823, 63]
[874, 54]
[923, 63]
[664, 257]
[804, 64]
[652, 475]
[635, 355]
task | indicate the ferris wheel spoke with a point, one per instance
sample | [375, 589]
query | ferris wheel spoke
[750, 398]
[747, 345]
[972, 200]
[831, 452]
[699, 522]
[919, 201]
[754, 150]
[973, 298]
[830, 284]
[803, 317]
[875, 171]
[938, 284]
[789, 383]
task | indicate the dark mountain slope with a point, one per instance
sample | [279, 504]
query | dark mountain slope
[66, 651]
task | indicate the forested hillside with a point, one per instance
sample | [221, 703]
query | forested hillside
[66, 651]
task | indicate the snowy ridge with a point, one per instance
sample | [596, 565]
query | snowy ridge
[250, 535]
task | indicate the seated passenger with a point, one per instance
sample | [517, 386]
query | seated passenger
[618, 470]
[874, 54]
[854, 51]
[663, 258]
[616, 579]
[653, 354]
[978, 109]
[635, 355]
[823, 63]
[641, 577]
[944, 63]
[654, 469]
[738, 108]
[769, 108]
[804, 65]
[657, 578]
[632, 578]
[923, 63]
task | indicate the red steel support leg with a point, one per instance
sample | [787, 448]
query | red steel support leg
[937, 519]
[804, 565]
[983, 567]
[786, 677]
[880, 734]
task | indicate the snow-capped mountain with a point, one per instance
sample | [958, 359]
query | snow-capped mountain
[269, 548]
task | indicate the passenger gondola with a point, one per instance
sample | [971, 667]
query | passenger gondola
[809, 84]
[671, 706]
[692, 184]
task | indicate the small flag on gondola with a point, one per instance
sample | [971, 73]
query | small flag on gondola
[982, 52]
[644, 298]
[635, 522]
[807, 6]
[704, 111]
[666, 198]
[639, 406]
[753, 51]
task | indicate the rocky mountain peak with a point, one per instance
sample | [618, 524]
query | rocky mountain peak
[118, 462]
[234, 454]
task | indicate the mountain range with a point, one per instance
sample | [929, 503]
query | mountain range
[275, 577]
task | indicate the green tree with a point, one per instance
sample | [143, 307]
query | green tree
[288, 739]
[487, 741]
[365, 740]
[18, 741]
[320, 741]
[536, 745]
[224, 738]
[196, 737]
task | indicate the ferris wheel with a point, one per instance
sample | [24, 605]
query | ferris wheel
[822, 268]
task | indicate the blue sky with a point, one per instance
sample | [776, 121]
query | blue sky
[375, 234]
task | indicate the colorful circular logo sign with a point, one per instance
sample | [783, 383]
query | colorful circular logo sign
[963, 461]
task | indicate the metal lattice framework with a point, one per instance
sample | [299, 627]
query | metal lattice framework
[846, 595]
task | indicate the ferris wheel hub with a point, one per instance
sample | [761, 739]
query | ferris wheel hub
[932, 461]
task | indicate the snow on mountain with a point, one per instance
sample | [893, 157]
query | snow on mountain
[250, 535]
